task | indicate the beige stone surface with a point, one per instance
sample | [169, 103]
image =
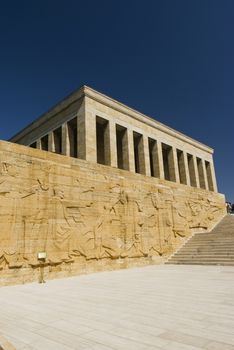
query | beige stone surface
[5, 344]
[163, 307]
[90, 217]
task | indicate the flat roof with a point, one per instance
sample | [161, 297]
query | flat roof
[112, 103]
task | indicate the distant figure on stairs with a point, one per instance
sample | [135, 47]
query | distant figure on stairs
[229, 207]
[232, 208]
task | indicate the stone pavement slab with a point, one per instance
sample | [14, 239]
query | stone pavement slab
[156, 307]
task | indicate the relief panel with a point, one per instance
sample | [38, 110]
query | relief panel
[90, 217]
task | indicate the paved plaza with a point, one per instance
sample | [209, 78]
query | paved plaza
[156, 307]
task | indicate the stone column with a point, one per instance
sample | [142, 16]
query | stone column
[86, 133]
[81, 132]
[196, 171]
[212, 169]
[141, 155]
[176, 168]
[153, 149]
[131, 160]
[113, 146]
[181, 165]
[209, 176]
[191, 169]
[160, 160]
[107, 144]
[201, 173]
[65, 140]
[146, 155]
[186, 169]
[38, 143]
[51, 146]
[205, 175]
[125, 150]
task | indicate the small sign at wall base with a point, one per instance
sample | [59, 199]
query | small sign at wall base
[41, 256]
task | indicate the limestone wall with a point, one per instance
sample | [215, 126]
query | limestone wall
[90, 217]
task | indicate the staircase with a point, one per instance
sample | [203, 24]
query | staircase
[213, 248]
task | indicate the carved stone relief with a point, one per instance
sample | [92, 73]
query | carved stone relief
[74, 216]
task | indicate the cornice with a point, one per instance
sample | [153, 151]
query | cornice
[59, 107]
[122, 108]
[111, 103]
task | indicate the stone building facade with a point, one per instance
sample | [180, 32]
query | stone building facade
[101, 186]
[91, 126]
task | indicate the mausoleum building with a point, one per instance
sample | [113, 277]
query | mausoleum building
[94, 185]
[91, 126]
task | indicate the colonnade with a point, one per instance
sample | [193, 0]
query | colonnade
[104, 141]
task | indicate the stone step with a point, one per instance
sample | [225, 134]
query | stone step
[209, 246]
[215, 235]
[205, 260]
[205, 249]
[214, 248]
[220, 236]
[221, 227]
[229, 227]
[221, 231]
[200, 263]
[202, 256]
[212, 244]
[197, 251]
[228, 240]
[224, 225]
[217, 241]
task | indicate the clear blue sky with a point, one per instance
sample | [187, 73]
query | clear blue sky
[172, 60]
